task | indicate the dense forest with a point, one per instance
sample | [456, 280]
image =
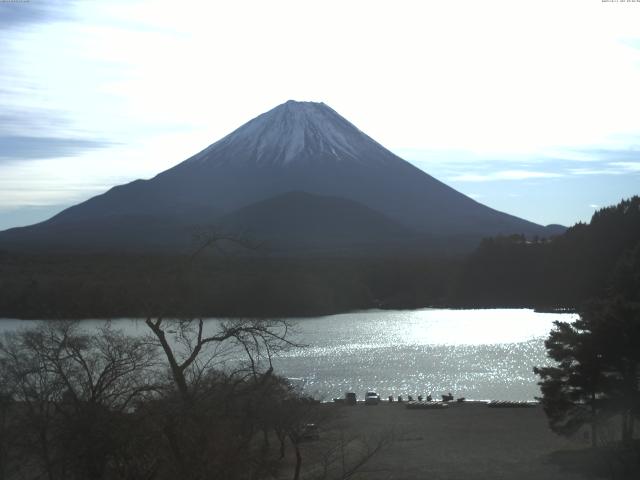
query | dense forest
[122, 286]
[565, 271]
[514, 271]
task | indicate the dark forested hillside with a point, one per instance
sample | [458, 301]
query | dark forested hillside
[512, 271]
[564, 271]
[136, 286]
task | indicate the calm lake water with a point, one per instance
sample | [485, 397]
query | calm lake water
[478, 354]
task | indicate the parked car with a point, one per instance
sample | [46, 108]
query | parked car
[350, 397]
[371, 398]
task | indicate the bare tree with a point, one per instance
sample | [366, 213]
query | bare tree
[6, 406]
[72, 390]
[193, 350]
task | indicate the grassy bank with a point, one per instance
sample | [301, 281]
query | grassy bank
[465, 441]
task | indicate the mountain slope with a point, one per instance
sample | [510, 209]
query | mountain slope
[299, 221]
[297, 146]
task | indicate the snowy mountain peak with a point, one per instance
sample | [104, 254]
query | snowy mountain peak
[292, 132]
[302, 147]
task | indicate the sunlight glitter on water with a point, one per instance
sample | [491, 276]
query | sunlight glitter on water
[473, 353]
[478, 354]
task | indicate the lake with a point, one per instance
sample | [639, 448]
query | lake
[477, 354]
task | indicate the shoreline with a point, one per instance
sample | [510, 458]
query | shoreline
[308, 315]
[471, 401]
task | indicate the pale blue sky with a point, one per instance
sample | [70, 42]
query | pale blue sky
[528, 107]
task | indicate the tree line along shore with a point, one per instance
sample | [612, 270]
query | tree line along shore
[513, 271]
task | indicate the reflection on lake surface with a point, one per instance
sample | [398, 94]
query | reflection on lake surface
[479, 354]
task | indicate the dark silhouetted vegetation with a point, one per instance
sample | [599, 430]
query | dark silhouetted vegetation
[190, 399]
[596, 379]
[513, 271]
[187, 400]
[564, 271]
[133, 286]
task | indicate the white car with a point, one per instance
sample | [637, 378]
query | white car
[371, 398]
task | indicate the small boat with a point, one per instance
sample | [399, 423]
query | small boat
[511, 404]
[426, 405]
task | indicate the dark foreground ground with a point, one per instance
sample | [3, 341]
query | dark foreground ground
[466, 441]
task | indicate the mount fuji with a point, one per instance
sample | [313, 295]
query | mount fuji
[299, 176]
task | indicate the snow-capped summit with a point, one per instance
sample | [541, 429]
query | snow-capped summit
[294, 131]
[347, 187]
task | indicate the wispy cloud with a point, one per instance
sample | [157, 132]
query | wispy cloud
[608, 168]
[504, 175]
[30, 148]
[38, 183]
[27, 120]
[29, 131]
[595, 171]
[37, 133]
[21, 13]
[627, 166]
[617, 154]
